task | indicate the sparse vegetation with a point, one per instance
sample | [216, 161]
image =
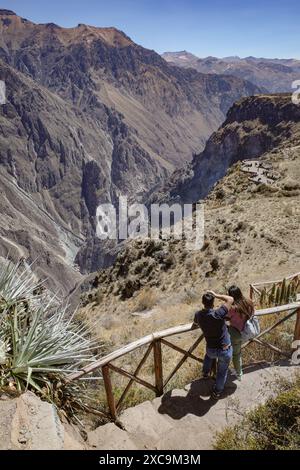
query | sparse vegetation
[146, 299]
[274, 425]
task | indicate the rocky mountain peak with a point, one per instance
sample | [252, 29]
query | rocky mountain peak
[18, 28]
[269, 109]
[4, 12]
[52, 26]
[112, 36]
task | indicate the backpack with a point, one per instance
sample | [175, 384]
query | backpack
[251, 329]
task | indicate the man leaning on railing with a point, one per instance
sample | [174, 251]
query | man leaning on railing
[218, 344]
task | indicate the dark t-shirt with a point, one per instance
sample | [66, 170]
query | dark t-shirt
[212, 323]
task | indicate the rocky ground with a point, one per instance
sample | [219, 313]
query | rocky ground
[187, 418]
[182, 419]
[27, 423]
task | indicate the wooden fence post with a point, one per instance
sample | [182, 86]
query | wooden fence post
[159, 384]
[109, 392]
[297, 327]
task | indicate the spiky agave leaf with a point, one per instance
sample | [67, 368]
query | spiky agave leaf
[3, 351]
[17, 283]
[47, 345]
[42, 342]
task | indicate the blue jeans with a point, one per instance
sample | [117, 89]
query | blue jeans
[223, 360]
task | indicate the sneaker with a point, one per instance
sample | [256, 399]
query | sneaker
[238, 376]
[216, 395]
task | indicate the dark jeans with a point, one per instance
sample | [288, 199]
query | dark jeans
[223, 360]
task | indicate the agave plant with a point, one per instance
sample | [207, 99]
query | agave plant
[39, 342]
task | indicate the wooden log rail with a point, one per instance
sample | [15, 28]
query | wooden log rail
[256, 287]
[155, 341]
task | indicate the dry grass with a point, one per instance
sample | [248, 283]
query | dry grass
[146, 299]
[117, 326]
[281, 337]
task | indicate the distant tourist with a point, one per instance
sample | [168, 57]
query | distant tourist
[218, 343]
[241, 311]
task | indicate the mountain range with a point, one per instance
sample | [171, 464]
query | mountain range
[90, 115]
[273, 75]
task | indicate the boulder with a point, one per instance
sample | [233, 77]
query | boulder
[28, 423]
[118, 438]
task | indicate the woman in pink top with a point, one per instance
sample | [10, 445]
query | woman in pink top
[240, 312]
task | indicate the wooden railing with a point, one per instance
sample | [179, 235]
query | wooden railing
[257, 288]
[155, 341]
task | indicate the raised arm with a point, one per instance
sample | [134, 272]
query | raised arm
[225, 298]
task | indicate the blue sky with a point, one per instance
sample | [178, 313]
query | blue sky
[262, 28]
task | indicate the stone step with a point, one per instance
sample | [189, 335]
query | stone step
[187, 418]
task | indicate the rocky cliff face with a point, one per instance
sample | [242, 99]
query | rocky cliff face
[170, 110]
[27, 423]
[274, 75]
[56, 161]
[89, 115]
[252, 127]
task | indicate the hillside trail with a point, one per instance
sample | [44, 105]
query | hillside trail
[188, 419]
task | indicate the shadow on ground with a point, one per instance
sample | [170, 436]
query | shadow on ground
[197, 401]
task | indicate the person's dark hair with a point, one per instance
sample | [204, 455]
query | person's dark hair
[208, 300]
[243, 305]
[236, 293]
